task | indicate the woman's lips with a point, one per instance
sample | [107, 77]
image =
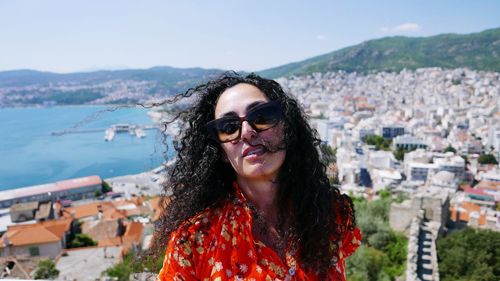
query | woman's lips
[253, 151]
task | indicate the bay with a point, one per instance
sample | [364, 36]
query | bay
[31, 155]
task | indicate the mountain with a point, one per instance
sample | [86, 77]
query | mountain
[479, 51]
[165, 75]
[31, 88]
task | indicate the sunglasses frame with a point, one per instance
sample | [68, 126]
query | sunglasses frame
[212, 127]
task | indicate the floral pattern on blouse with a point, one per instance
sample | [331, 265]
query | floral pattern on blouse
[218, 244]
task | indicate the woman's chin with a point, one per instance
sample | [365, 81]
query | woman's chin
[258, 172]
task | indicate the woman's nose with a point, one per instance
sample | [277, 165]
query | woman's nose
[247, 132]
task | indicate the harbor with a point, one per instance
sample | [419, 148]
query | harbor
[109, 133]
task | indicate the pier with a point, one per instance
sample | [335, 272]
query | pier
[110, 133]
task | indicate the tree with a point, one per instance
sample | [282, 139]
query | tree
[46, 269]
[384, 193]
[382, 238]
[97, 193]
[396, 253]
[367, 264]
[399, 154]
[469, 254]
[132, 263]
[382, 255]
[487, 159]
[106, 187]
[378, 141]
[121, 270]
[450, 149]
[81, 240]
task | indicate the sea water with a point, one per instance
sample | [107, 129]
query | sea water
[31, 155]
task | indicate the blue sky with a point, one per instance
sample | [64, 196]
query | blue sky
[83, 35]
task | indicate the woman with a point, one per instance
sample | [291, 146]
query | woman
[251, 200]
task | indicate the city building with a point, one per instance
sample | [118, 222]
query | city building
[419, 172]
[451, 163]
[46, 238]
[73, 189]
[382, 159]
[408, 142]
[392, 131]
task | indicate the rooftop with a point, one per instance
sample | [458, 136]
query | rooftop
[108, 209]
[100, 229]
[19, 267]
[87, 263]
[37, 233]
[50, 187]
[488, 185]
[28, 206]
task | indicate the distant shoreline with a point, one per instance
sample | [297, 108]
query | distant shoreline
[33, 147]
[31, 106]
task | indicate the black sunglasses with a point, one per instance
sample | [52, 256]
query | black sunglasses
[262, 117]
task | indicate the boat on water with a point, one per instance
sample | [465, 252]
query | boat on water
[109, 134]
[139, 132]
[136, 130]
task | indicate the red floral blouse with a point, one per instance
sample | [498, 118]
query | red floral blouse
[218, 244]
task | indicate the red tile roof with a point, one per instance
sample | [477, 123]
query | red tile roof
[109, 211]
[38, 233]
[134, 232]
[463, 212]
[488, 185]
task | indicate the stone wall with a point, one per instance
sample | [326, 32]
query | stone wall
[435, 207]
[422, 262]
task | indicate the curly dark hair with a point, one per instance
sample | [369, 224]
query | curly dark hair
[200, 178]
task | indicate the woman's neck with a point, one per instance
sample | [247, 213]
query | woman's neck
[261, 194]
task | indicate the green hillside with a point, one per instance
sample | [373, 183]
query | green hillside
[479, 51]
[165, 75]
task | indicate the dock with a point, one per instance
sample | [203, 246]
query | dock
[110, 133]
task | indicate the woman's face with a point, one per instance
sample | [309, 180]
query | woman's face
[250, 155]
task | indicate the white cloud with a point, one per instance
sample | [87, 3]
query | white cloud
[408, 27]
[320, 37]
[384, 29]
[402, 28]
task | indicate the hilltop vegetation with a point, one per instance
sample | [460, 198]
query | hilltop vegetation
[27, 87]
[164, 75]
[382, 254]
[479, 51]
[469, 254]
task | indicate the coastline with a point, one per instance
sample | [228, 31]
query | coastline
[146, 183]
[97, 159]
[38, 106]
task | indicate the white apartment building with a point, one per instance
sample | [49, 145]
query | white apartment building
[382, 160]
[407, 141]
[419, 172]
[451, 163]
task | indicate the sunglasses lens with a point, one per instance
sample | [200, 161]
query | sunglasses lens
[261, 118]
[265, 117]
[227, 129]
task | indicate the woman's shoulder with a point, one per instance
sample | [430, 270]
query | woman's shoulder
[345, 222]
[200, 222]
[343, 208]
[205, 222]
[188, 245]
